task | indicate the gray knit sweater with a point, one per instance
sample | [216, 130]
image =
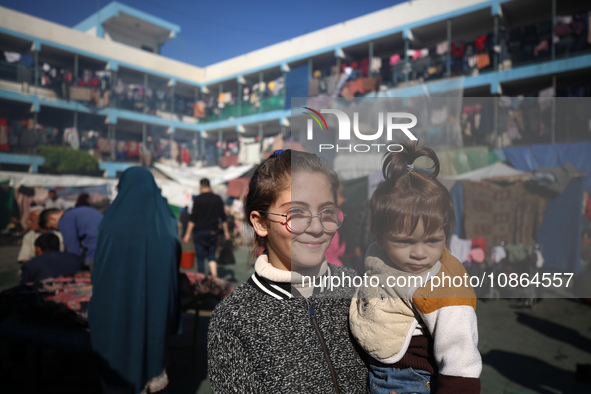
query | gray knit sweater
[262, 339]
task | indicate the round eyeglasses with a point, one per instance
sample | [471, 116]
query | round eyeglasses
[299, 219]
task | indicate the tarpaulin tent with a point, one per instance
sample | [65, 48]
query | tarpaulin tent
[560, 230]
[530, 158]
[192, 176]
[178, 195]
[562, 225]
[238, 187]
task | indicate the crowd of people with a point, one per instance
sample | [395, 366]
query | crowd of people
[289, 327]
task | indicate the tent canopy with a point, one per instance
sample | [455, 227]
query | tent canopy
[496, 170]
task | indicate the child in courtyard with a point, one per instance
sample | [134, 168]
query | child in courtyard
[421, 339]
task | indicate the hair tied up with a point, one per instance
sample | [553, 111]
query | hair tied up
[401, 163]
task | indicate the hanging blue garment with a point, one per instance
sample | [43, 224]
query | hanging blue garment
[296, 84]
[135, 305]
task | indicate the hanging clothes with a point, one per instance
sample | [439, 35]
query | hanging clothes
[314, 88]
[12, 57]
[457, 50]
[480, 42]
[132, 149]
[394, 59]
[498, 254]
[199, 110]
[542, 46]
[364, 67]
[460, 248]
[442, 48]
[482, 60]
[4, 146]
[71, 137]
[185, 157]
[375, 65]
[279, 86]
[545, 98]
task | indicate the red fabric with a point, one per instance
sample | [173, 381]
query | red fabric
[185, 158]
[458, 50]
[354, 65]
[479, 242]
[227, 161]
[132, 149]
[237, 187]
[562, 30]
[476, 255]
[364, 66]
[457, 385]
[588, 209]
[479, 42]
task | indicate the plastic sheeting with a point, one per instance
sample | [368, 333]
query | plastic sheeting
[560, 231]
[495, 170]
[458, 160]
[192, 176]
[530, 158]
[177, 194]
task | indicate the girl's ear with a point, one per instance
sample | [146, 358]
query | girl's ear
[259, 224]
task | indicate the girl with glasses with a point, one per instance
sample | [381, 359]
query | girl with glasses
[286, 328]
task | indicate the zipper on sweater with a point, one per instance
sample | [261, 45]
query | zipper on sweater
[323, 344]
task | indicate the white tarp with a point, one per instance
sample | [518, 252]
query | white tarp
[192, 176]
[32, 180]
[176, 193]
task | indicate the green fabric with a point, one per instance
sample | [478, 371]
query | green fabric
[492, 157]
[135, 305]
[176, 211]
[517, 253]
[457, 161]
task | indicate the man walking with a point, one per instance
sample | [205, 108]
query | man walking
[208, 211]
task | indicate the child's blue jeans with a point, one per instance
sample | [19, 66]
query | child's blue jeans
[384, 380]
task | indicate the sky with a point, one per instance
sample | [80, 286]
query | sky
[212, 31]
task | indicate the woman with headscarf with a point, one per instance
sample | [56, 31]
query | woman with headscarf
[135, 304]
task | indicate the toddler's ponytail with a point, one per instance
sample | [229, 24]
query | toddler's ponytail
[399, 164]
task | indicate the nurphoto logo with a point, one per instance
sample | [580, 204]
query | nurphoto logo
[394, 122]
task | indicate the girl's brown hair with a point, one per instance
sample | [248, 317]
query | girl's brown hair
[409, 195]
[273, 176]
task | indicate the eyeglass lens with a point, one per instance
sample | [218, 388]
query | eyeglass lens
[299, 219]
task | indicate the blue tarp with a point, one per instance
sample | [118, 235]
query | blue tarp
[530, 158]
[560, 231]
[296, 84]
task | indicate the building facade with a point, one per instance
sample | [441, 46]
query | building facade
[102, 85]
